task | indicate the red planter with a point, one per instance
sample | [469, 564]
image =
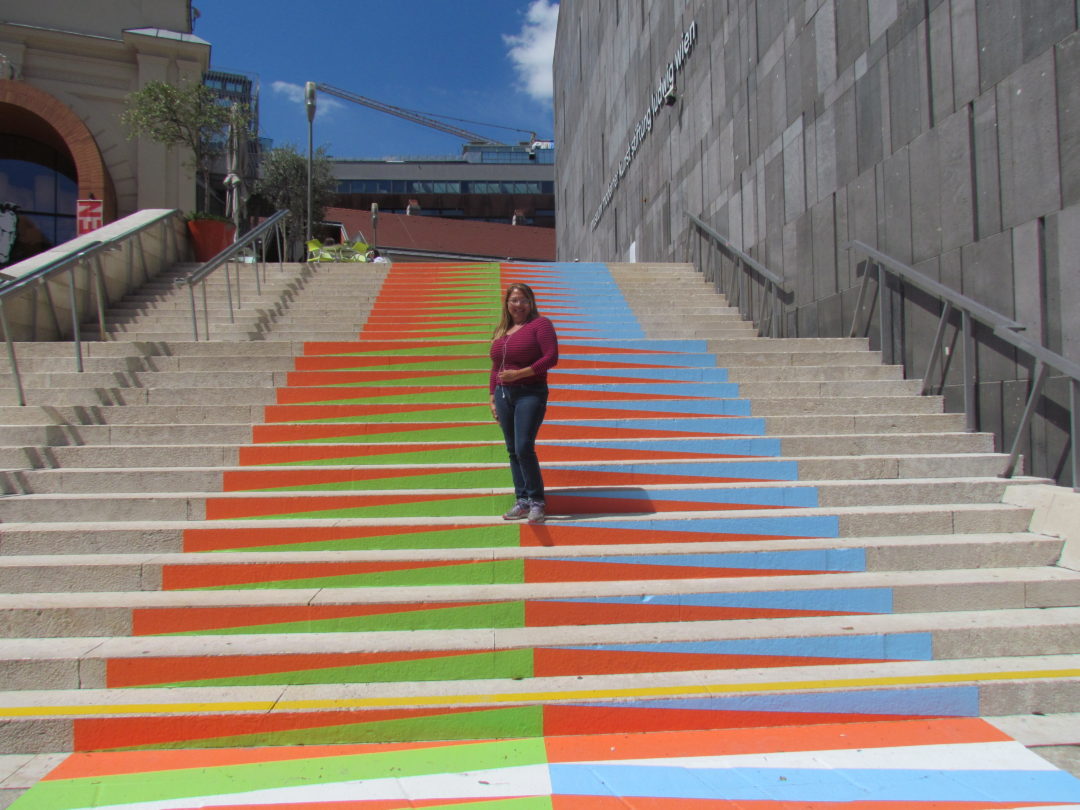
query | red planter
[209, 237]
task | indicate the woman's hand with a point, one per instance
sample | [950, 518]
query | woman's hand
[494, 413]
[510, 375]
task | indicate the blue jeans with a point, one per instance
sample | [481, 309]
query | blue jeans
[521, 410]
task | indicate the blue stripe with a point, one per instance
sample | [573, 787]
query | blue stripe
[691, 375]
[813, 784]
[761, 496]
[761, 470]
[933, 701]
[788, 525]
[877, 646]
[688, 359]
[746, 425]
[728, 445]
[719, 390]
[826, 559]
[840, 600]
[697, 407]
[675, 347]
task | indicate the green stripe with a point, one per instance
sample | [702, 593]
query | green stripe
[505, 536]
[465, 506]
[495, 614]
[451, 479]
[451, 667]
[67, 794]
[481, 454]
[471, 394]
[469, 573]
[487, 432]
[465, 412]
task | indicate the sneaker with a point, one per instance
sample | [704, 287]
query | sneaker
[536, 512]
[518, 511]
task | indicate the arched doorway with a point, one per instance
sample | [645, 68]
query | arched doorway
[48, 160]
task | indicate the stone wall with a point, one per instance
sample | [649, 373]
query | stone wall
[945, 133]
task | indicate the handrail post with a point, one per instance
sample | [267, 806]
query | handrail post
[228, 293]
[194, 314]
[860, 302]
[1074, 431]
[11, 355]
[75, 319]
[206, 310]
[1037, 382]
[99, 294]
[935, 350]
[969, 371]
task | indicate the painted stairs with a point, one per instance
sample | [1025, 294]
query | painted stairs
[247, 572]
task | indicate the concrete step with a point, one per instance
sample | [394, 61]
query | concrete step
[356, 577]
[564, 504]
[96, 663]
[159, 535]
[493, 451]
[46, 720]
[211, 479]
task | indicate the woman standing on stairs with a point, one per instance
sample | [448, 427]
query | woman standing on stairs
[523, 347]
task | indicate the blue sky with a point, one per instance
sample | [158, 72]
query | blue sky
[481, 60]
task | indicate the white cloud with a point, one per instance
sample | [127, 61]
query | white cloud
[324, 105]
[533, 48]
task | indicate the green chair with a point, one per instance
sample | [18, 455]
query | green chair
[316, 252]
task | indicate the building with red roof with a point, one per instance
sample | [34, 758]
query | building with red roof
[416, 238]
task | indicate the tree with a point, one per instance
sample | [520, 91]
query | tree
[189, 115]
[283, 184]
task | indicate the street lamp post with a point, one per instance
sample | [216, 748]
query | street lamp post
[309, 102]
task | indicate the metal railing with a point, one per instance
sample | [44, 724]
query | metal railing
[249, 249]
[891, 274]
[748, 279]
[89, 258]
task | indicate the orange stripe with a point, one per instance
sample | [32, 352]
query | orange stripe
[553, 662]
[219, 539]
[230, 508]
[155, 621]
[885, 734]
[554, 535]
[128, 672]
[107, 763]
[538, 570]
[564, 720]
[121, 732]
[556, 614]
[178, 577]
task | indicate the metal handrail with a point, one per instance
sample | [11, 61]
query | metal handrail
[68, 263]
[769, 320]
[256, 238]
[971, 312]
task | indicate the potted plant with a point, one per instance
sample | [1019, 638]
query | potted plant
[210, 234]
[190, 116]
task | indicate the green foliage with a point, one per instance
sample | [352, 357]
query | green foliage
[190, 116]
[283, 184]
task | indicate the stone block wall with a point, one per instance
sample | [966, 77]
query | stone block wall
[945, 133]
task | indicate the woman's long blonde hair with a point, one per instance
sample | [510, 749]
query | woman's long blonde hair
[505, 321]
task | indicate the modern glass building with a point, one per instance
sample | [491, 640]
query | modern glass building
[487, 182]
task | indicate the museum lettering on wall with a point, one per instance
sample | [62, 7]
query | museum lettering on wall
[657, 100]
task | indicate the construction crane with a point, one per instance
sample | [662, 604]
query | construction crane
[419, 117]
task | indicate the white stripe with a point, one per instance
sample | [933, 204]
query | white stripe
[995, 756]
[524, 780]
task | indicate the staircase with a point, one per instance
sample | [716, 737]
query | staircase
[282, 546]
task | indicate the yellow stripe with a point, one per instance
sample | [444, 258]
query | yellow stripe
[530, 697]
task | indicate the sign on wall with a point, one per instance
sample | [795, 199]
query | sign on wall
[89, 215]
[661, 96]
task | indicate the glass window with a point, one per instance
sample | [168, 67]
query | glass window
[37, 198]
